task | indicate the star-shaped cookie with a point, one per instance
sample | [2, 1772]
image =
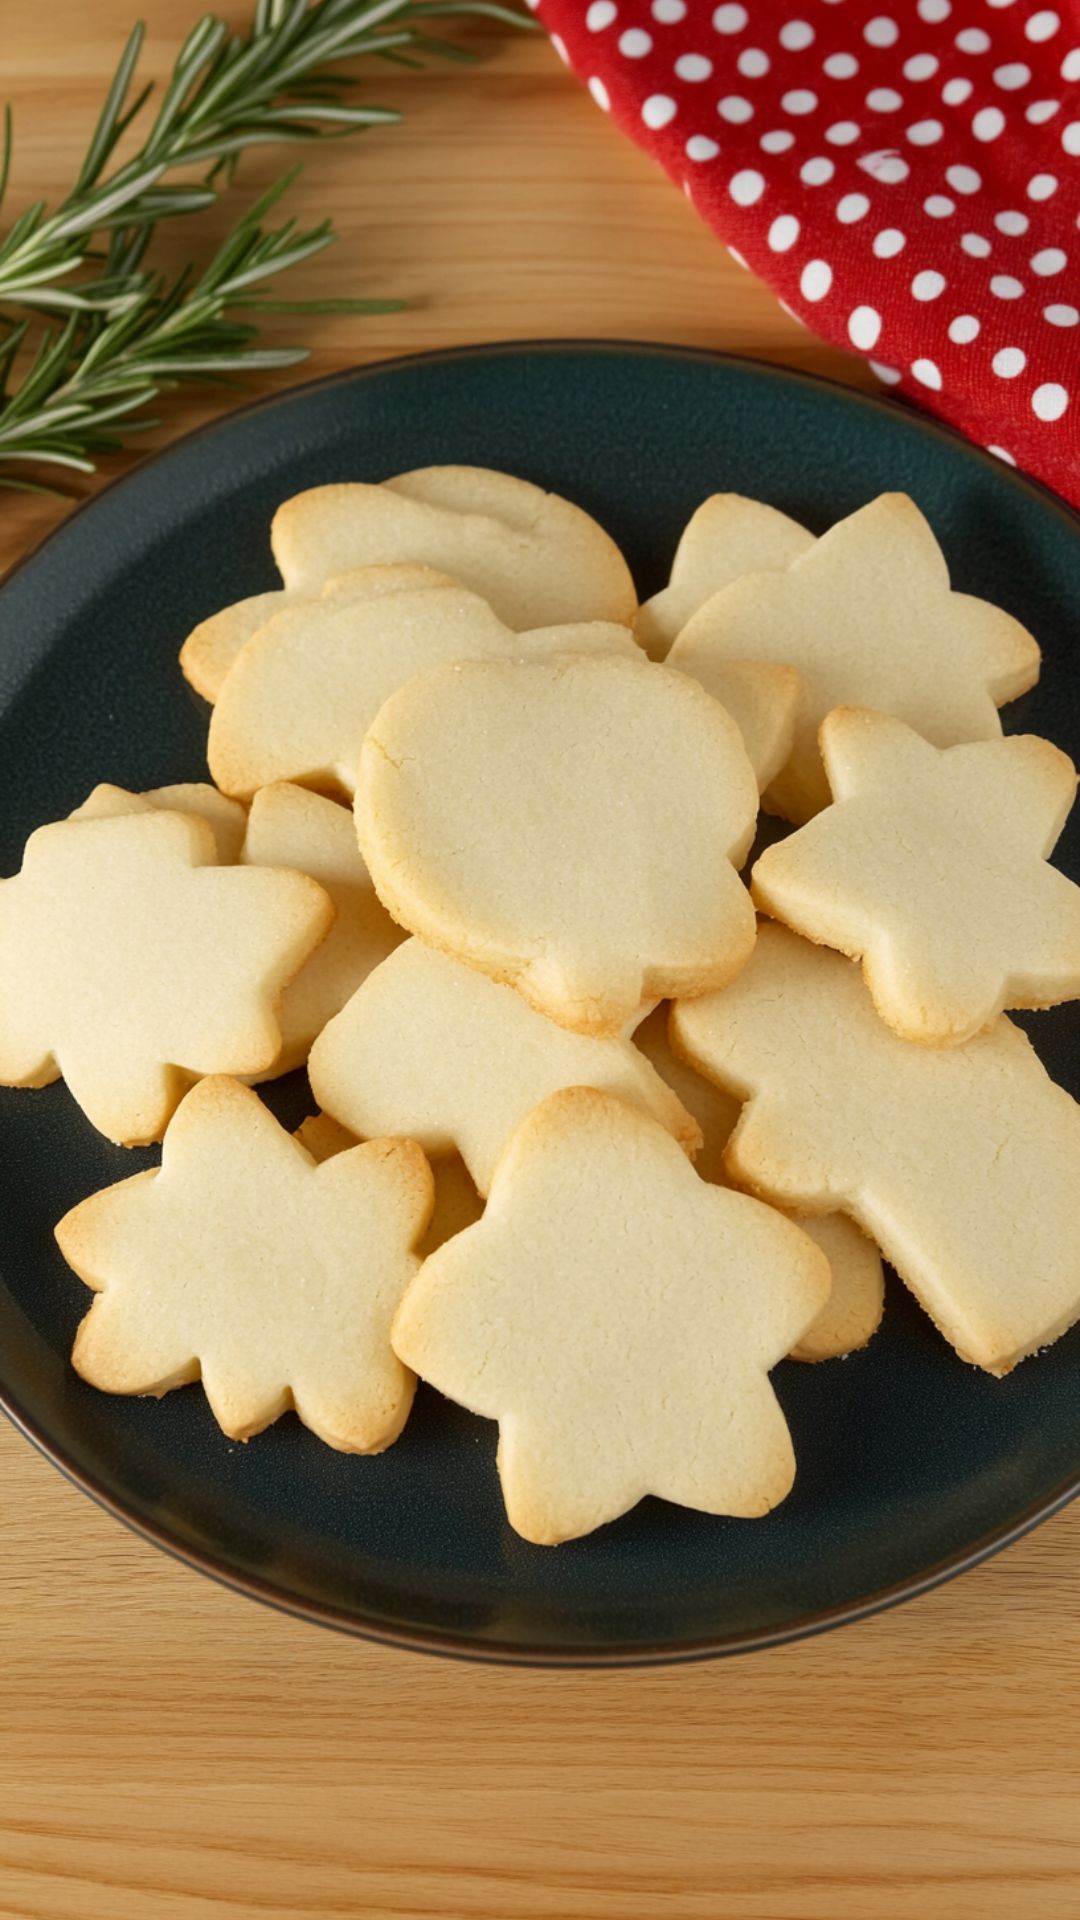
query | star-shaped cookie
[728, 536]
[227, 819]
[131, 963]
[930, 867]
[619, 1318]
[242, 1263]
[868, 618]
[457, 1203]
[963, 1163]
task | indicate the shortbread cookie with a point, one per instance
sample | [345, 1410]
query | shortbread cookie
[131, 964]
[728, 536]
[209, 651]
[763, 701]
[868, 618]
[963, 1163]
[619, 1318]
[301, 695]
[457, 1203]
[226, 818]
[436, 1051]
[573, 827]
[242, 1263]
[322, 1137]
[852, 1313]
[290, 827]
[930, 868]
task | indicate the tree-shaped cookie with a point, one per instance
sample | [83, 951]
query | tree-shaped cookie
[867, 616]
[726, 537]
[619, 1318]
[302, 693]
[433, 1050]
[852, 1313]
[573, 827]
[131, 963]
[243, 1263]
[963, 1163]
[930, 867]
[536, 558]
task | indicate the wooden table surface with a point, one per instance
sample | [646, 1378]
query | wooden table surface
[168, 1749]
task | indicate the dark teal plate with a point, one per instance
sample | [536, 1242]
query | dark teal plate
[911, 1465]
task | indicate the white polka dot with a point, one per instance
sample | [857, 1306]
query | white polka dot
[1041, 186]
[635, 43]
[887, 375]
[842, 133]
[1012, 76]
[963, 179]
[1041, 111]
[1070, 66]
[1005, 286]
[921, 66]
[1008, 362]
[864, 328]
[658, 111]
[700, 147]
[730, 19]
[796, 35]
[560, 47]
[884, 100]
[668, 11]
[1011, 222]
[1000, 453]
[928, 284]
[778, 141]
[955, 92]
[927, 373]
[746, 187]
[841, 66]
[734, 109]
[973, 40]
[881, 31]
[988, 123]
[887, 167]
[783, 233]
[975, 244]
[693, 66]
[1061, 314]
[889, 242]
[964, 329]
[925, 132]
[939, 206]
[934, 11]
[1070, 138]
[816, 172]
[752, 63]
[600, 15]
[815, 280]
[799, 100]
[852, 207]
[1048, 260]
[1043, 25]
[600, 93]
[1049, 401]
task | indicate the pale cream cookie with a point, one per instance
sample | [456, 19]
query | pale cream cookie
[930, 868]
[868, 618]
[243, 1263]
[132, 964]
[963, 1163]
[226, 818]
[436, 1051]
[457, 1203]
[728, 536]
[619, 1318]
[573, 827]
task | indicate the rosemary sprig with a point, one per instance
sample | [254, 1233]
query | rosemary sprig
[116, 332]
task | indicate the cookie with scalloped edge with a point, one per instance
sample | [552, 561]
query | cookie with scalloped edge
[573, 827]
[243, 1263]
[868, 617]
[132, 964]
[963, 1163]
[930, 867]
[434, 1050]
[727, 536]
[619, 1318]
[852, 1314]
[226, 818]
[302, 693]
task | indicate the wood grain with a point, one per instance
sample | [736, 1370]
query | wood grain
[169, 1750]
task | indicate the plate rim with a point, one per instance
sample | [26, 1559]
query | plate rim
[443, 1642]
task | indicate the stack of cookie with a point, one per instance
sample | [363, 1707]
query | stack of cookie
[595, 1150]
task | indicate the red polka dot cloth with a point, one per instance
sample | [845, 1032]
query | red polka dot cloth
[908, 180]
